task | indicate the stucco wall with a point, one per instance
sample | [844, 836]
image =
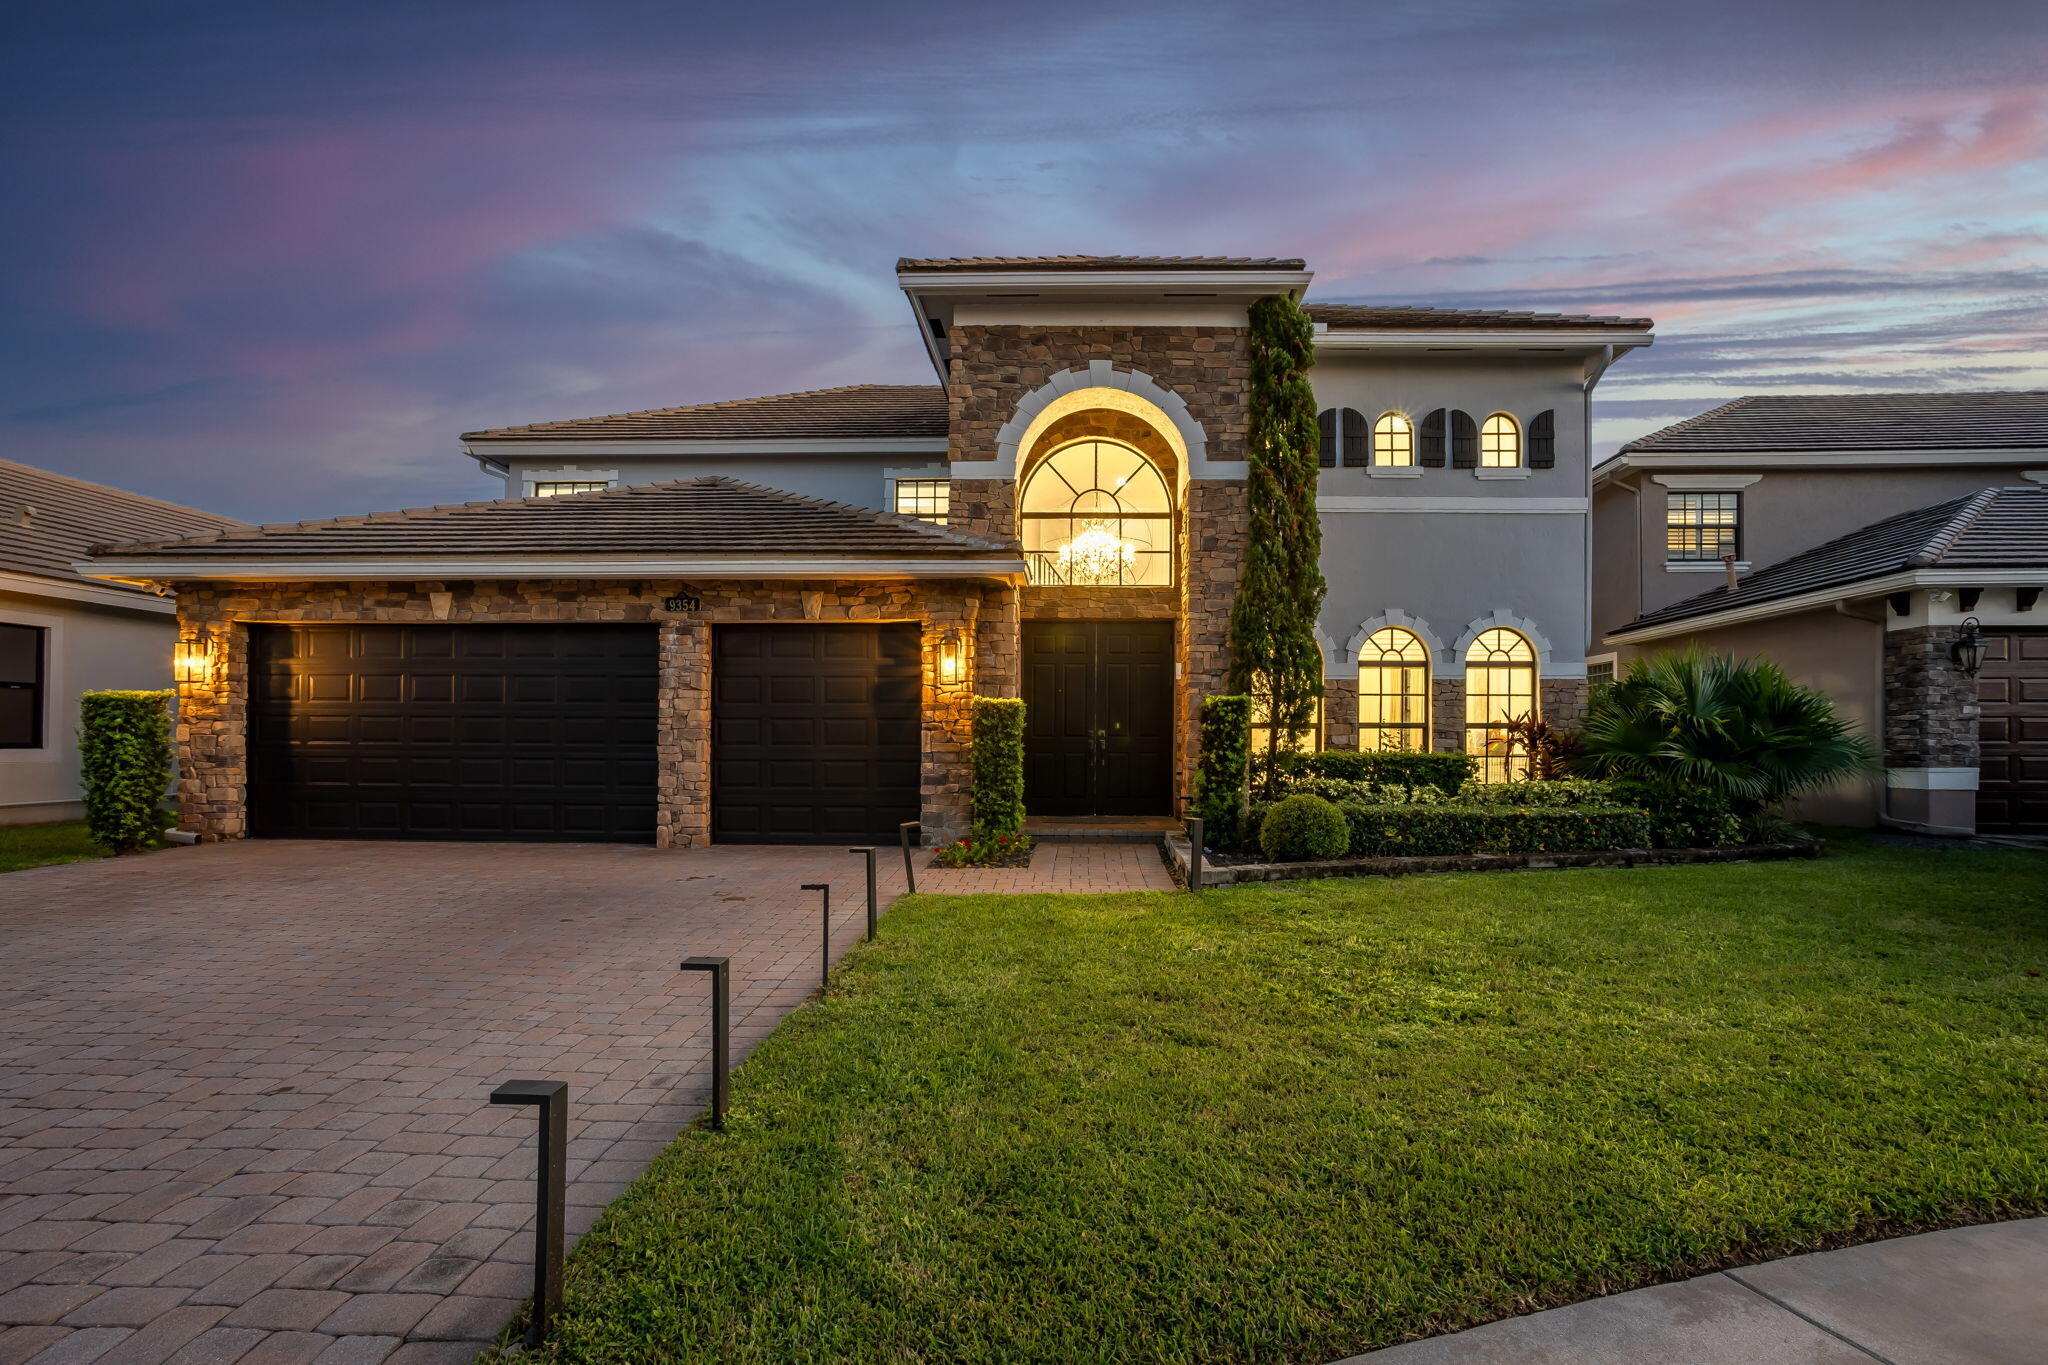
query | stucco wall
[89, 648]
[861, 480]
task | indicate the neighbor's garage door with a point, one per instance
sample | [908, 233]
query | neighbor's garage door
[814, 733]
[528, 732]
[2012, 775]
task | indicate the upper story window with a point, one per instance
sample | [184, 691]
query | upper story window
[930, 499]
[1500, 443]
[1393, 442]
[1097, 514]
[1500, 686]
[555, 488]
[22, 668]
[1393, 693]
[1701, 526]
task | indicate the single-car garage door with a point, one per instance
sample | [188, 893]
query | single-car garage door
[527, 732]
[2012, 696]
[814, 733]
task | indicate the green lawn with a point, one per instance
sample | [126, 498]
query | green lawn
[1286, 1123]
[39, 845]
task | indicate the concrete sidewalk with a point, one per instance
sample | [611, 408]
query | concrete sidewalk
[1967, 1296]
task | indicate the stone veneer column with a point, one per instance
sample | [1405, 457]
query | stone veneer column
[1215, 529]
[211, 731]
[1563, 701]
[1447, 715]
[683, 736]
[1930, 730]
[1340, 713]
[948, 776]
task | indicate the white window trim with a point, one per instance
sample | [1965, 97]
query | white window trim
[1703, 566]
[1513, 472]
[54, 686]
[566, 474]
[1706, 483]
[1394, 471]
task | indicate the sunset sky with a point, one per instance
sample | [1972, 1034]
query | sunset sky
[270, 258]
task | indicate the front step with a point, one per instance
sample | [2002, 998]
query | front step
[1104, 829]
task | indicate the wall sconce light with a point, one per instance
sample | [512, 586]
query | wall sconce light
[952, 661]
[192, 658]
[1967, 652]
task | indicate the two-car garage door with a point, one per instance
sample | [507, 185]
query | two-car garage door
[548, 732]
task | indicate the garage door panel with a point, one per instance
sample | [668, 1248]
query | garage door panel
[2012, 734]
[454, 732]
[816, 732]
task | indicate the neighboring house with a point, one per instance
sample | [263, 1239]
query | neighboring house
[62, 633]
[763, 620]
[1870, 533]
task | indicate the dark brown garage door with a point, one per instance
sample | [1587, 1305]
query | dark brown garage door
[814, 733]
[2012, 774]
[528, 732]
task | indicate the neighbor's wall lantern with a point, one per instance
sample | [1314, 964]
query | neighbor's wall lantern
[1968, 650]
[192, 660]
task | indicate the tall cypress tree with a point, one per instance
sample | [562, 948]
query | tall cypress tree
[1273, 622]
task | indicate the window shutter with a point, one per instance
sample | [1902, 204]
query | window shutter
[1356, 432]
[1464, 441]
[1432, 453]
[1543, 440]
[1326, 438]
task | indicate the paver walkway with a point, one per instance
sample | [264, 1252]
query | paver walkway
[243, 1087]
[1967, 1296]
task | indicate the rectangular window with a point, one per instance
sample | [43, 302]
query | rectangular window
[929, 499]
[1701, 526]
[1599, 672]
[555, 488]
[22, 667]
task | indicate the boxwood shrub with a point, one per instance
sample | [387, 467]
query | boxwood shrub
[124, 758]
[1303, 828]
[1446, 773]
[1684, 817]
[998, 801]
[1226, 768]
[1437, 831]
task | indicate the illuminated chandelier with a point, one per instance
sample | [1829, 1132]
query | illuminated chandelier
[1097, 555]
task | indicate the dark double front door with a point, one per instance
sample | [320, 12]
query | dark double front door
[1099, 711]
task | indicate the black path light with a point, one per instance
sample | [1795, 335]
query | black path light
[550, 1195]
[871, 852]
[721, 1032]
[1968, 651]
[1194, 853]
[903, 835]
[824, 890]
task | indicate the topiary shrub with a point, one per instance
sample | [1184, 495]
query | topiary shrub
[1447, 773]
[124, 754]
[1303, 828]
[997, 806]
[1226, 768]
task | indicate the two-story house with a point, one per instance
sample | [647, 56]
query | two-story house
[1888, 548]
[762, 620]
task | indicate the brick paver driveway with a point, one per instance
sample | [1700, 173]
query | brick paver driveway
[242, 1087]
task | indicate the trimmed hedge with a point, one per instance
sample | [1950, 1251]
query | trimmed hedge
[1445, 772]
[1564, 791]
[997, 806]
[1303, 829]
[1424, 831]
[1683, 817]
[1226, 768]
[124, 754]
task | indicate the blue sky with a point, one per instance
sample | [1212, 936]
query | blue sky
[270, 259]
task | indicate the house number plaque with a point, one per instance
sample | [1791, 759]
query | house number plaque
[682, 602]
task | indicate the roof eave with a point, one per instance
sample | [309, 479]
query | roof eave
[1236, 283]
[555, 444]
[1792, 604]
[1795, 458]
[1575, 340]
[1000, 566]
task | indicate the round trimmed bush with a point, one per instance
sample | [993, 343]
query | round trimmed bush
[1303, 828]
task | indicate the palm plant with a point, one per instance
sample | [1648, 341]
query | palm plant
[1741, 728]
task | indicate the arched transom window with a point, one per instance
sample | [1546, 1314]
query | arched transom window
[1500, 686]
[1500, 443]
[1393, 693]
[1393, 442]
[1097, 514]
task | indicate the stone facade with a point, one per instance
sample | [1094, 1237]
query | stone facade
[1340, 713]
[1930, 714]
[1447, 715]
[213, 709]
[1563, 701]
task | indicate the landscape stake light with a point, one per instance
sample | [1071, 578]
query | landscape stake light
[1194, 853]
[550, 1195]
[824, 890]
[1969, 648]
[871, 852]
[721, 1032]
[909, 872]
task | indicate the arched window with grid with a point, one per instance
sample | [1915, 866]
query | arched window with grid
[1393, 441]
[1393, 693]
[1500, 442]
[1500, 686]
[1097, 514]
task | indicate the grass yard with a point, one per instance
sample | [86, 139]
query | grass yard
[1288, 1123]
[40, 845]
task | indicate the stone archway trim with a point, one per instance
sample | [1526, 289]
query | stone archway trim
[1394, 616]
[1098, 374]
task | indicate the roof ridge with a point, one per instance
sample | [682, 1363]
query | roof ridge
[123, 492]
[1945, 538]
[715, 403]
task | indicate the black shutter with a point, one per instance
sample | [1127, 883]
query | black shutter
[1464, 440]
[1326, 438]
[1355, 432]
[1432, 455]
[1543, 440]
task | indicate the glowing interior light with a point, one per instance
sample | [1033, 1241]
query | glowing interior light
[1097, 555]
